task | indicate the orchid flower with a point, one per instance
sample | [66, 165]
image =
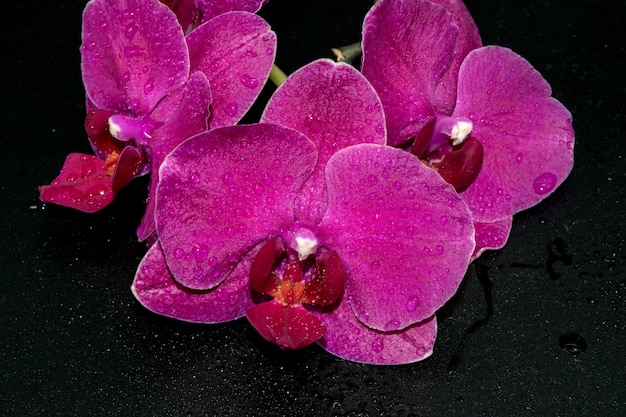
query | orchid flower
[192, 13]
[308, 224]
[483, 117]
[149, 88]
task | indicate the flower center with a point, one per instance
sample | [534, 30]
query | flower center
[445, 144]
[293, 277]
[121, 160]
[127, 128]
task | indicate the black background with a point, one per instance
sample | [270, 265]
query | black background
[74, 342]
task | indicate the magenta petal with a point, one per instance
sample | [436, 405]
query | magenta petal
[236, 52]
[468, 40]
[408, 46]
[288, 326]
[225, 190]
[212, 8]
[133, 53]
[491, 235]
[334, 106]
[156, 290]
[527, 135]
[82, 184]
[182, 114]
[403, 234]
[349, 339]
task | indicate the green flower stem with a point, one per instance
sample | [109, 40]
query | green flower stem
[277, 76]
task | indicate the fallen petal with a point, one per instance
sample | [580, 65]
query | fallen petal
[83, 184]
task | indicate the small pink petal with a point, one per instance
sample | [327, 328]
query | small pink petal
[128, 165]
[156, 290]
[327, 285]
[334, 106]
[403, 234]
[133, 53]
[408, 46]
[288, 326]
[235, 51]
[262, 278]
[83, 184]
[350, 339]
[490, 236]
[222, 192]
[527, 135]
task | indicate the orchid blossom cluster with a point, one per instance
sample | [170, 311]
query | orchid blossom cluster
[349, 213]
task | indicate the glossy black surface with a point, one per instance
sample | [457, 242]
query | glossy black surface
[537, 328]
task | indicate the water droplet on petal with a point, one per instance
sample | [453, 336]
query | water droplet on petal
[76, 195]
[227, 178]
[520, 158]
[287, 180]
[378, 345]
[200, 253]
[544, 183]
[195, 178]
[258, 188]
[179, 253]
[130, 30]
[411, 304]
[372, 180]
[392, 325]
[375, 265]
[231, 109]
[249, 81]
[148, 86]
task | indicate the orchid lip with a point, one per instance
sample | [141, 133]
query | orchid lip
[126, 128]
[454, 129]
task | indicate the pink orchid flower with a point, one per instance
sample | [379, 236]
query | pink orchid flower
[483, 117]
[149, 88]
[192, 13]
[309, 225]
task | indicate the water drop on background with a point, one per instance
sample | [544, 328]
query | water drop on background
[572, 343]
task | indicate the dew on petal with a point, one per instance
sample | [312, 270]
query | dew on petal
[249, 81]
[200, 253]
[519, 158]
[258, 188]
[148, 86]
[231, 109]
[378, 345]
[392, 325]
[195, 178]
[227, 178]
[411, 304]
[133, 51]
[130, 30]
[76, 195]
[544, 183]
[179, 253]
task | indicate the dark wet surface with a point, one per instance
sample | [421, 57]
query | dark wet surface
[536, 328]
